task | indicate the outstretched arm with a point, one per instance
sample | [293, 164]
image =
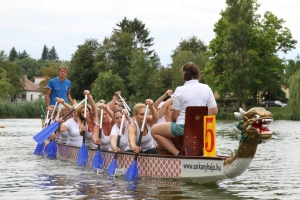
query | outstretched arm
[160, 99]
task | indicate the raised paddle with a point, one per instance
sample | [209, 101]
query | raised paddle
[49, 147]
[46, 132]
[52, 113]
[98, 160]
[51, 153]
[40, 147]
[113, 166]
[133, 170]
[125, 104]
[82, 159]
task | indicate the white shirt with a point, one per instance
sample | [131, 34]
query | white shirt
[89, 140]
[105, 143]
[124, 137]
[147, 140]
[63, 137]
[192, 93]
[74, 139]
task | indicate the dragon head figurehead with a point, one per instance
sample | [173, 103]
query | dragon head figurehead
[253, 131]
[254, 124]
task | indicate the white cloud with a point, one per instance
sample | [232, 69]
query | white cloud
[28, 25]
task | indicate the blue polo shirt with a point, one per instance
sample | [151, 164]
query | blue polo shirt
[58, 89]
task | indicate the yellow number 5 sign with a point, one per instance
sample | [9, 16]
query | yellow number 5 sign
[209, 136]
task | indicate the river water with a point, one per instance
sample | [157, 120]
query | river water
[273, 173]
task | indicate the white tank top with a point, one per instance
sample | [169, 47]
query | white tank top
[63, 137]
[74, 139]
[124, 137]
[89, 140]
[105, 144]
[147, 141]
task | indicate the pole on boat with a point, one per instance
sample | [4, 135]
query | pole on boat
[82, 159]
[98, 160]
[133, 171]
[113, 166]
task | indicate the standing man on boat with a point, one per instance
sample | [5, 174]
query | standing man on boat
[58, 87]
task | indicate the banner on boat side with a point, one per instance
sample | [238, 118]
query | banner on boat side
[209, 146]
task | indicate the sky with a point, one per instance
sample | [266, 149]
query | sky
[65, 24]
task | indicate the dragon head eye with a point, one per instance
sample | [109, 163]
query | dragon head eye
[256, 116]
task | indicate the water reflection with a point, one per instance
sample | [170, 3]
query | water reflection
[273, 174]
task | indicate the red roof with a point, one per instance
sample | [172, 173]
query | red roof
[30, 86]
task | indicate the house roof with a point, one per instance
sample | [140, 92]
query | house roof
[30, 86]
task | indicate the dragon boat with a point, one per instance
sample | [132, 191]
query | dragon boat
[199, 162]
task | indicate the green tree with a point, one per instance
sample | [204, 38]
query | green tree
[15, 77]
[115, 54]
[292, 67]
[140, 34]
[142, 77]
[30, 67]
[192, 44]
[106, 85]
[271, 37]
[45, 53]
[82, 73]
[13, 54]
[52, 55]
[3, 56]
[244, 52]
[23, 55]
[164, 81]
[4, 83]
[294, 100]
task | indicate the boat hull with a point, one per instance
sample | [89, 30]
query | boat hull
[198, 169]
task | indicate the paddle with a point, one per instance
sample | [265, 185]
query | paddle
[113, 166]
[52, 113]
[125, 104]
[51, 151]
[46, 132]
[49, 148]
[2, 126]
[133, 171]
[98, 160]
[82, 159]
[40, 147]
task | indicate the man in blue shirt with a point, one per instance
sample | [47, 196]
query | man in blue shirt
[58, 87]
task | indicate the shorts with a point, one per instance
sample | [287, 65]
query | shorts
[177, 129]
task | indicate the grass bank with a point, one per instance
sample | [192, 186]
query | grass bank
[279, 113]
[21, 110]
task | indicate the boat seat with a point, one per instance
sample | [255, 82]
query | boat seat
[191, 143]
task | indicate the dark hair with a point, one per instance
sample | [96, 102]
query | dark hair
[190, 71]
[118, 110]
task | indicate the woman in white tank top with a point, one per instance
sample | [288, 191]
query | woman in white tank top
[116, 130]
[147, 142]
[72, 127]
[107, 124]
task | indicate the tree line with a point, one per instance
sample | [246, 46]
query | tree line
[242, 59]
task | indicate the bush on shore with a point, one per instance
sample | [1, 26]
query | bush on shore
[21, 110]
